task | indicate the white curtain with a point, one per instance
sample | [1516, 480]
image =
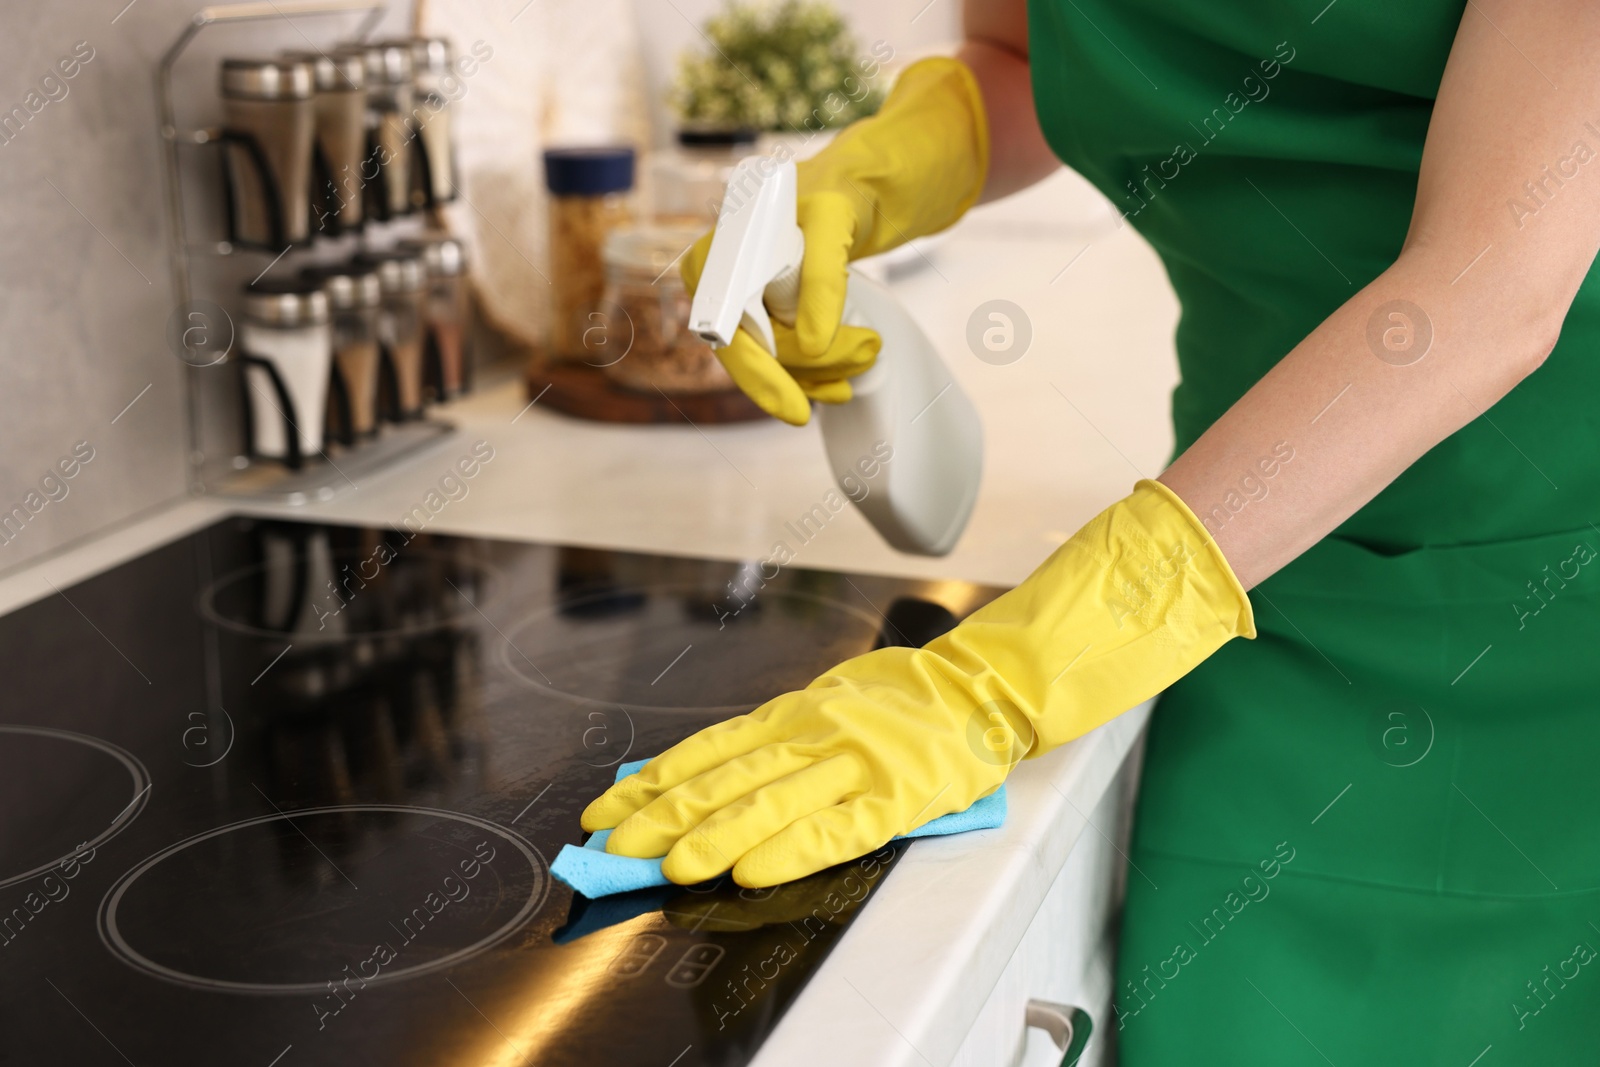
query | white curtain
[557, 72]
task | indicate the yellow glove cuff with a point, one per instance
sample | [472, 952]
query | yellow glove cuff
[1128, 605]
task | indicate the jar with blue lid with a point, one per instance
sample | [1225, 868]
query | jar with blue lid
[591, 194]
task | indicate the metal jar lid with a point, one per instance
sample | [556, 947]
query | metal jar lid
[726, 138]
[443, 255]
[339, 72]
[285, 302]
[347, 285]
[399, 271]
[432, 54]
[266, 79]
[387, 62]
[584, 171]
[432, 60]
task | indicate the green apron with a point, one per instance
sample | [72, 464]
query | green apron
[1370, 835]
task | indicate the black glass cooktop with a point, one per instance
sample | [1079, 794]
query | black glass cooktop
[286, 794]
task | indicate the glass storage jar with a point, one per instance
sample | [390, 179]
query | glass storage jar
[268, 136]
[687, 181]
[447, 314]
[353, 296]
[589, 197]
[403, 288]
[386, 172]
[285, 353]
[340, 106]
[646, 340]
[437, 84]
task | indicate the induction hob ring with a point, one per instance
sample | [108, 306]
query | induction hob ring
[574, 612]
[455, 609]
[111, 935]
[141, 793]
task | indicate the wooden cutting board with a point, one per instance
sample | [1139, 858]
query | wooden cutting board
[587, 393]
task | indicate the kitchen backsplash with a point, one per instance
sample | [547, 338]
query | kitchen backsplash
[87, 381]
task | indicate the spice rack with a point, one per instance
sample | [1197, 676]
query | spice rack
[214, 468]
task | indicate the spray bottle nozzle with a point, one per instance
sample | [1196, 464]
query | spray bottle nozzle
[756, 243]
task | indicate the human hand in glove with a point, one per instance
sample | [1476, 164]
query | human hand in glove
[912, 169]
[890, 740]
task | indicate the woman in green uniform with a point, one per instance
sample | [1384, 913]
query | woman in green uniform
[1368, 834]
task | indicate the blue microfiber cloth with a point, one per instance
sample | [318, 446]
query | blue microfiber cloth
[594, 872]
[586, 916]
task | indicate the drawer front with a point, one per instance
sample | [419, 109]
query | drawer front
[1067, 956]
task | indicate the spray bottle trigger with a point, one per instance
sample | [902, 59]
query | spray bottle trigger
[757, 324]
[780, 300]
[782, 295]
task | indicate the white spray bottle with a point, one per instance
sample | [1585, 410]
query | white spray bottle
[921, 499]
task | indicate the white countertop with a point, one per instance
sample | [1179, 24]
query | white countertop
[908, 979]
[1069, 427]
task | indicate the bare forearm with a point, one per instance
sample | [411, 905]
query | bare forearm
[1354, 401]
[1334, 423]
[996, 49]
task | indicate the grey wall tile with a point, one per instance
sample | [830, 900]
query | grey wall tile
[85, 289]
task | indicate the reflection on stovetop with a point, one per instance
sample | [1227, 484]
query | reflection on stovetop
[285, 790]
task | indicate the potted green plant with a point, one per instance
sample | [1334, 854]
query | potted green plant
[791, 67]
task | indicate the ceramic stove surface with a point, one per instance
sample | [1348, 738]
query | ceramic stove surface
[285, 794]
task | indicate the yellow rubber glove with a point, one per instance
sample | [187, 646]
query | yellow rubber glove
[914, 168]
[890, 740]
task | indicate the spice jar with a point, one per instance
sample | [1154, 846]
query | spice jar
[267, 142]
[433, 68]
[286, 351]
[353, 296]
[386, 174]
[402, 283]
[687, 181]
[340, 107]
[647, 308]
[446, 362]
[589, 197]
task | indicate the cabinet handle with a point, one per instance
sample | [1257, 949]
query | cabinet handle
[1067, 1026]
